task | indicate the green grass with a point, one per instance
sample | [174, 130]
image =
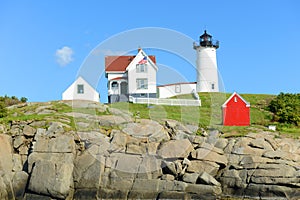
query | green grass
[209, 115]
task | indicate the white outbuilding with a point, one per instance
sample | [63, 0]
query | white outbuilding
[80, 89]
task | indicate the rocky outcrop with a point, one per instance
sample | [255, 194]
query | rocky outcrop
[141, 159]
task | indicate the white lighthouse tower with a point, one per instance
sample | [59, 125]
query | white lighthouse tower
[207, 69]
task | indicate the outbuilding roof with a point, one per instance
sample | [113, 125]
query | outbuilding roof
[246, 102]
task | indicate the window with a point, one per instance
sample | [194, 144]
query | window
[141, 68]
[213, 86]
[114, 84]
[177, 88]
[80, 89]
[235, 99]
[142, 83]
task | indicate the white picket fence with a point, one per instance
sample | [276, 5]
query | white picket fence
[169, 102]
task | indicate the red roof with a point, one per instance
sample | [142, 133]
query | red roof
[119, 78]
[120, 63]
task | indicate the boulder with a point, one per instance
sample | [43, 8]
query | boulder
[229, 148]
[55, 128]
[272, 191]
[221, 143]
[278, 154]
[23, 149]
[103, 193]
[186, 162]
[190, 178]
[165, 185]
[203, 166]
[274, 170]
[146, 185]
[58, 158]
[147, 129]
[17, 163]
[198, 140]
[18, 141]
[15, 130]
[19, 183]
[88, 170]
[136, 149]
[253, 162]
[169, 168]
[261, 143]
[243, 147]
[201, 191]
[29, 131]
[38, 124]
[112, 120]
[206, 178]
[55, 144]
[150, 168]
[3, 128]
[209, 155]
[175, 149]
[211, 147]
[6, 161]
[51, 178]
[152, 148]
[118, 142]
[127, 163]
[168, 177]
[3, 190]
[30, 196]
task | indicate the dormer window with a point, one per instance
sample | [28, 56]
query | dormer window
[80, 89]
[141, 68]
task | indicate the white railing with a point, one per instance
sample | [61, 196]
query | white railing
[169, 102]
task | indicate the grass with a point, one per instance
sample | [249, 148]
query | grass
[209, 115]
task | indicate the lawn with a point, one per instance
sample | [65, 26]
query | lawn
[209, 115]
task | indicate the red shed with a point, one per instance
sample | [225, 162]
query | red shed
[236, 111]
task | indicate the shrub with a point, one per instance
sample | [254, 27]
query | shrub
[9, 101]
[3, 110]
[286, 108]
[23, 99]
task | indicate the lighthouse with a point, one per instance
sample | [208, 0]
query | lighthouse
[207, 69]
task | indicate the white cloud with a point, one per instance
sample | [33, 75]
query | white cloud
[64, 56]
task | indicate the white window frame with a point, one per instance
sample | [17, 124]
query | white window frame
[141, 68]
[80, 89]
[177, 88]
[142, 83]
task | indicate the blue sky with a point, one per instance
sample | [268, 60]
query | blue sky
[259, 41]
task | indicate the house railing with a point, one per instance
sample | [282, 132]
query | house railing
[169, 102]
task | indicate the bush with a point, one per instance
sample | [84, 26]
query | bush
[286, 108]
[3, 110]
[9, 101]
[23, 99]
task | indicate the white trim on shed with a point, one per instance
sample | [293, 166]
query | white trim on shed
[80, 89]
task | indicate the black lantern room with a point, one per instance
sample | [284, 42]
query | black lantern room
[206, 41]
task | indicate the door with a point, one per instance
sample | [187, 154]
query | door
[124, 88]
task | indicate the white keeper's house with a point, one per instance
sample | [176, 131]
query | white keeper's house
[133, 78]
